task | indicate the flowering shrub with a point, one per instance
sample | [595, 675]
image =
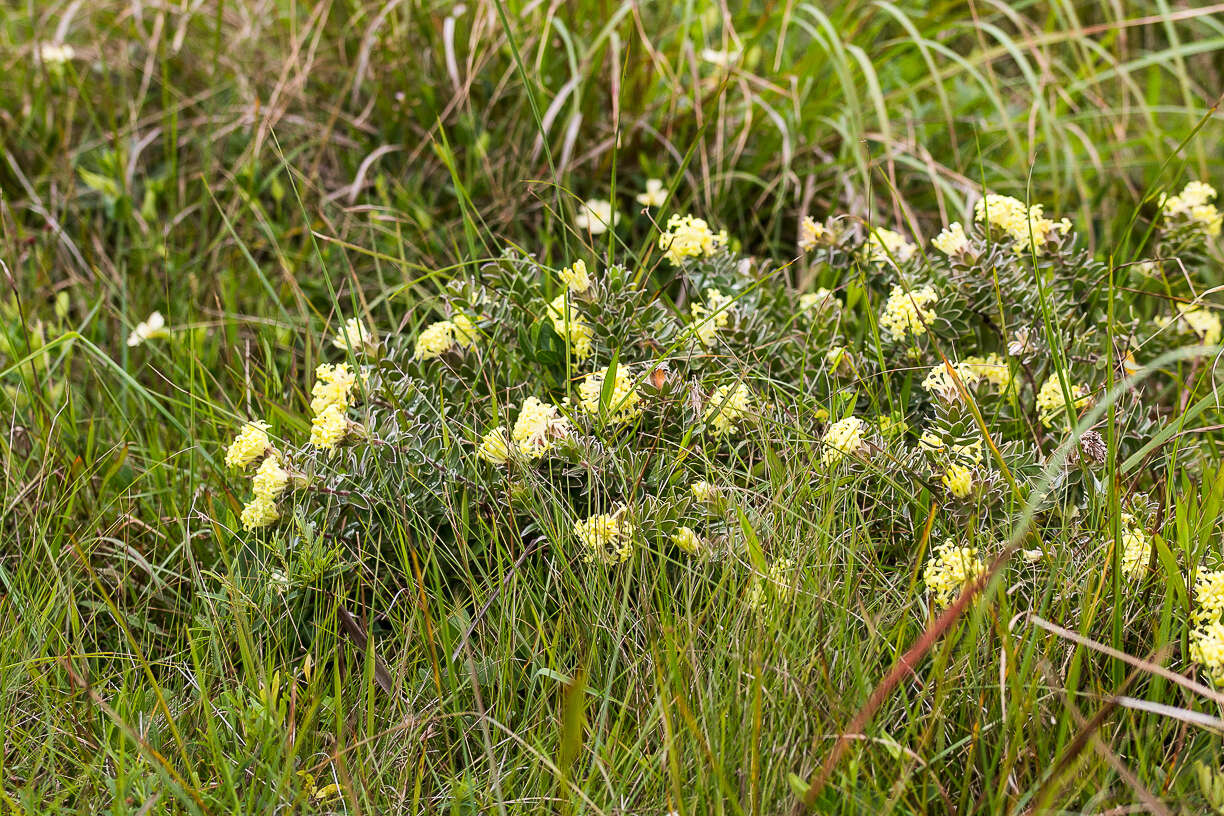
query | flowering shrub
[627, 413]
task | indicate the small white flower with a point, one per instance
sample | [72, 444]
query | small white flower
[596, 216]
[56, 54]
[153, 327]
[655, 195]
[723, 59]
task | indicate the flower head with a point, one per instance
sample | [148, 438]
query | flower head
[538, 427]
[949, 569]
[329, 426]
[1051, 404]
[575, 277]
[958, 480]
[1026, 226]
[1209, 596]
[259, 512]
[818, 301]
[333, 386]
[55, 54]
[1194, 203]
[435, 340]
[686, 539]
[710, 316]
[154, 326]
[251, 443]
[606, 537]
[951, 240]
[1136, 547]
[689, 237]
[270, 479]
[655, 194]
[568, 323]
[727, 406]
[885, 246]
[843, 438]
[624, 402]
[1207, 648]
[494, 446]
[704, 492]
[772, 585]
[809, 233]
[1203, 322]
[356, 335]
[596, 216]
[905, 313]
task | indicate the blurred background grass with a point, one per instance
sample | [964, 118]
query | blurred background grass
[252, 169]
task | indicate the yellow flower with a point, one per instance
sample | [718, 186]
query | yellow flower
[154, 326]
[809, 233]
[655, 194]
[250, 444]
[1207, 648]
[708, 319]
[843, 438]
[949, 570]
[270, 479]
[328, 427]
[1136, 546]
[1050, 402]
[958, 480]
[356, 334]
[951, 240]
[435, 340]
[687, 540]
[931, 441]
[259, 512]
[704, 492]
[689, 237]
[538, 427]
[568, 323]
[464, 331]
[1209, 596]
[623, 403]
[727, 406]
[575, 277]
[820, 300]
[333, 386]
[606, 537]
[1203, 322]
[1026, 226]
[905, 312]
[1194, 202]
[992, 368]
[772, 585]
[595, 216]
[494, 446]
[886, 246]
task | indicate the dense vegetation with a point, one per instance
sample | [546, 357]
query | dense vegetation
[544, 516]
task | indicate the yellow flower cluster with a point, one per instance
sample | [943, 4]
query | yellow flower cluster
[704, 492]
[1207, 638]
[886, 246]
[949, 570]
[251, 443]
[1194, 202]
[727, 406]
[331, 398]
[688, 540]
[772, 584]
[820, 300]
[958, 480]
[1203, 322]
[809, 233]
[1050, 402]
[689, 237]
[606, 537]
[269, 482]
[438, 338]
[1026, 226]
[355, 334]
[951, 240]
[1207, 648]
[624, 401]
[494, 446]
[711, 316]
[538, 427]
[567, 322]
[843, 438]
[971, 371]
[575, 277]
[905, 312]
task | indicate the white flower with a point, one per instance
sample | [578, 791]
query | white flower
[655, 195]
[154, 326]
[596, 216]
[56, 54]
[723, 59]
